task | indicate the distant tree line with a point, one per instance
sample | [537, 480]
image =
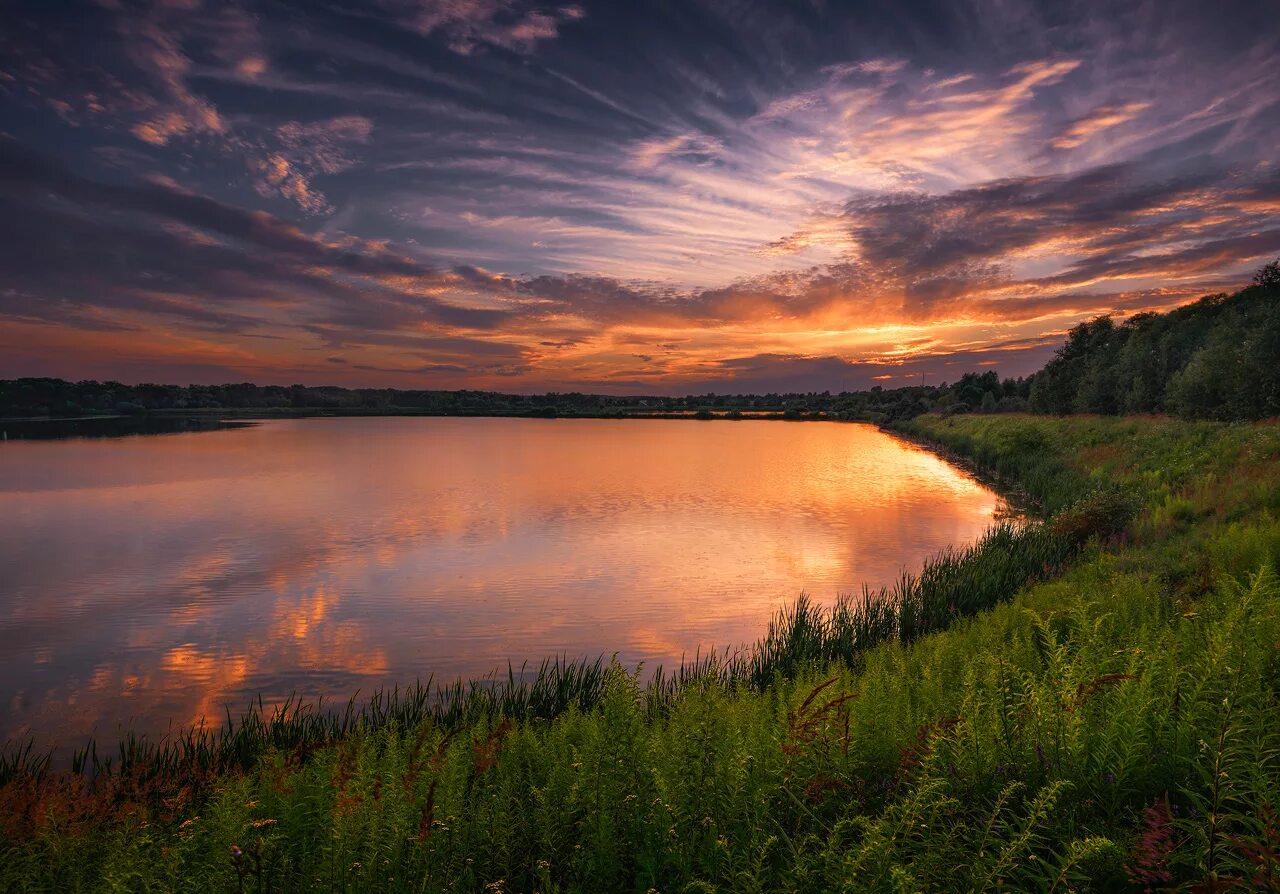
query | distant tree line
[1217, 358]
[46, 397]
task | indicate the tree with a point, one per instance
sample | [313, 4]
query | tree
[1214, 358]
[1058, 387]
[1268, 276]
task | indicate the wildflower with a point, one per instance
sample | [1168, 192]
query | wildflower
[236, 854]
[1111, 778]
[1149, 865]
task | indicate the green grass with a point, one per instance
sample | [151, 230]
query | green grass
[1087, 703]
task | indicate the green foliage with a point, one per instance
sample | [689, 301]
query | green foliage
[1110, 727]
[1213, 359]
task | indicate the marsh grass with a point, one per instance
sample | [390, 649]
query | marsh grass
[1082, 703]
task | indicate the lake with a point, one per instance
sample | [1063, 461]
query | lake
[149, 581]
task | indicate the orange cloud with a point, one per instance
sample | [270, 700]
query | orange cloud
[1100, 119]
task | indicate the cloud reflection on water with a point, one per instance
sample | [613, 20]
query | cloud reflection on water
[157, 579]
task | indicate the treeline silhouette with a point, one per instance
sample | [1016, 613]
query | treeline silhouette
[1217, 358]
[44, 397]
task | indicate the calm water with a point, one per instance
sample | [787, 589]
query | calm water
[151, 580]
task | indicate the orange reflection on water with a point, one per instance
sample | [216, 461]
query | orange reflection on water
[153, 580]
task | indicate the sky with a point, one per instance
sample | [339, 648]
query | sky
[618, 197]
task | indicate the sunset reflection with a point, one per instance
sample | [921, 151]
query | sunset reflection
[154, 580]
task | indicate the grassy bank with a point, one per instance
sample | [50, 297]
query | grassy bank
[1082, 704]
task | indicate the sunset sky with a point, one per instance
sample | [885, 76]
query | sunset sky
[624, 197]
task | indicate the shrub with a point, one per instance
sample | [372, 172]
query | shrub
[1103, 514]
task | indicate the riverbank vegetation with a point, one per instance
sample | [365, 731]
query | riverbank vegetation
[1081, 703]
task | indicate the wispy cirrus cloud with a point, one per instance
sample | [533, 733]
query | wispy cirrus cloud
[530, 195]
[131, 65]
[299, 152]
[1100, 119]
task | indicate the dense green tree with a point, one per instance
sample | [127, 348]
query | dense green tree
[1062, 386]
[1216, 358]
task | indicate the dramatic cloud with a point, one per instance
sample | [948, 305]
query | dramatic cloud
[1102, 224]
[527, 195]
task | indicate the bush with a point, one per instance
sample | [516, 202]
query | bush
[1104, 514]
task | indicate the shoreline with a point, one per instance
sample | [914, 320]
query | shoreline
[530, 673]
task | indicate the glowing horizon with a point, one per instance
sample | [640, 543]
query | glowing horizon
[705, 196]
